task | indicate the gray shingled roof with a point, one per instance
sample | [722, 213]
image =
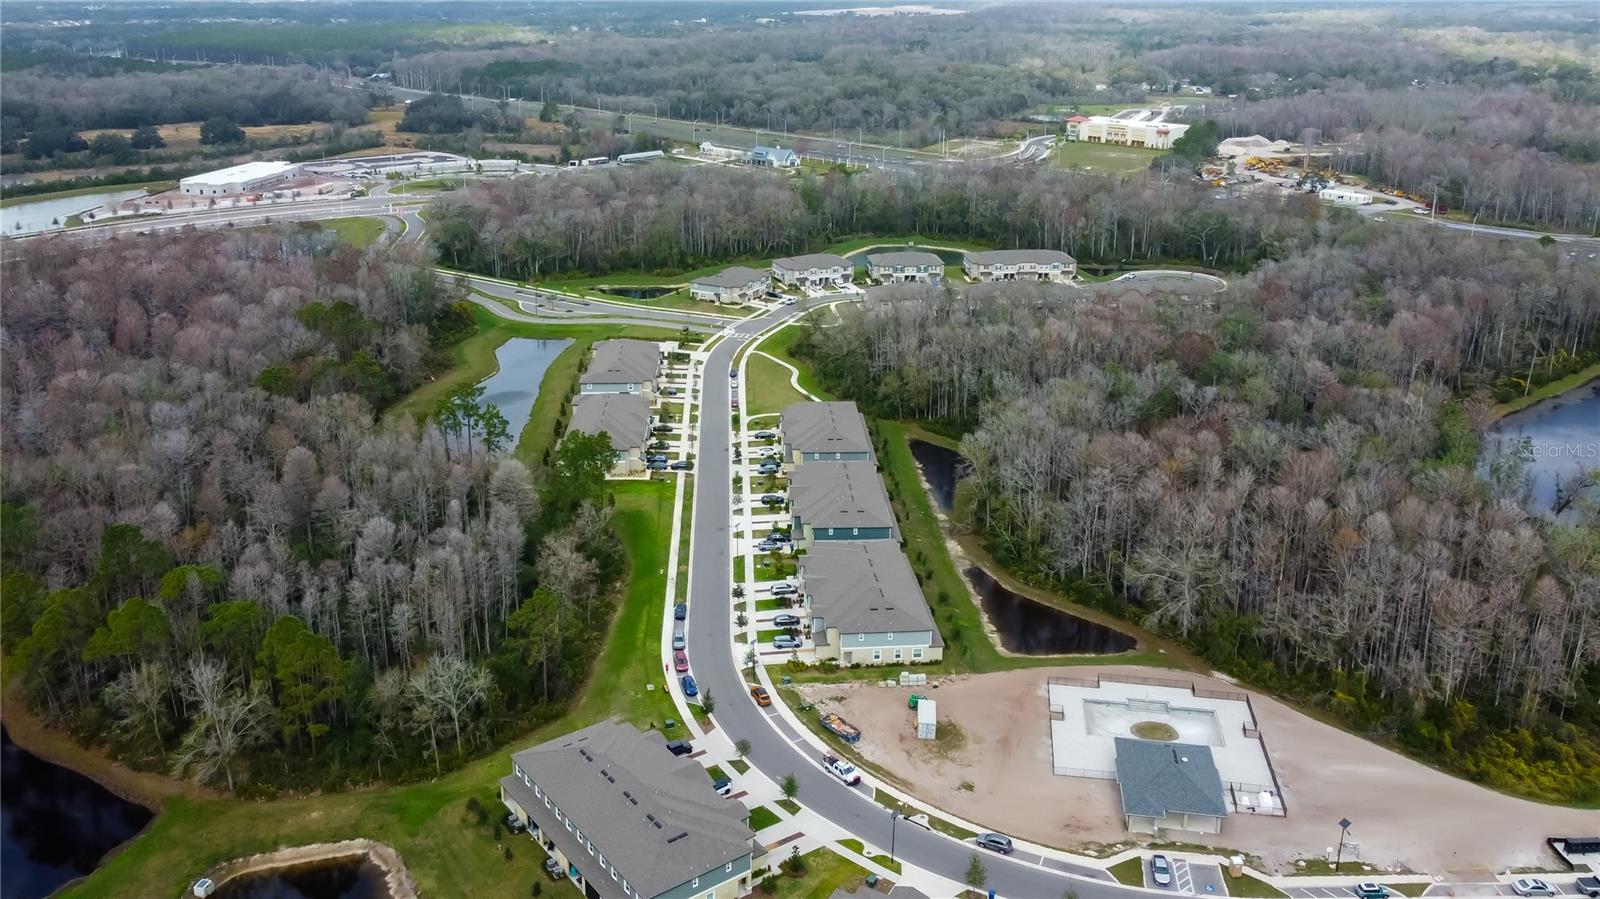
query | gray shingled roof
[811, 260]
[623, 362]
[1162, 778]
[625, 417]
[737, 276]
[1017, 257]
[865, 587]
[905, 257]
[840, 495]
[771, 154]
[825, 428]
[652, 813]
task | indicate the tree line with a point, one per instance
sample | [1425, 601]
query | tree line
[218, 559]
[675, 218]
[1288, 479]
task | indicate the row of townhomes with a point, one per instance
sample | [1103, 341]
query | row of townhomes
[623, 818]
[615, 396]
[741, 284]
[864, 602]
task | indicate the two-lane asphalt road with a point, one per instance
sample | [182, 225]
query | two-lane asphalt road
[775, 747]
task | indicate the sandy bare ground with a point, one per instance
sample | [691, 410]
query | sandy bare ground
[997, 772]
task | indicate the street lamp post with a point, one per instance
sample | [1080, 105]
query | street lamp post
[1338, 859]
[894, 819]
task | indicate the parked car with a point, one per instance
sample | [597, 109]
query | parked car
[680, 661]
[769, 452]
[772, 499]
[680, 612]
[690, 688]
[682, 465]
[723, 786]
[669, 391]
[679, 641]
[786, 641]
[765, 435]
[994, 842]
[1370, 890]
[788, 301]
[735, 402]
[784, 589]
[679, 747]
[778, 537]
[733, 373]
[656, 466]
[1532, 886]
[1589, 886]
[786, 620]
[661, 429]
[769, 467]
[514, 824]
[1160, 870]
[760, 695]
[656, 457]
[766, 546]
[841, 769]
[658, 445]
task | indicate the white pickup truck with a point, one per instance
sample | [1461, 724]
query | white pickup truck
[841, 769]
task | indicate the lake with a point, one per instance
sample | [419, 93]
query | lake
[1564, 433]
[347, 878]
[523, 362]
[31, 218]
[950, 257]
[55, 824]
[1025, 626]
[638, 293]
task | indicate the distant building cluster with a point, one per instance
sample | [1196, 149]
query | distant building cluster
[1147, 128]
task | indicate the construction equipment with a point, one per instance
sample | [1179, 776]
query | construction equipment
[915, 698]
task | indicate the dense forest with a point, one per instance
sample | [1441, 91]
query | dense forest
[217, 557]
[1288, 480]
[669, 217]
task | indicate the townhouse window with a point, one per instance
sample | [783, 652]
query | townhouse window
[916, 653]
[877, 655]
[897, 655]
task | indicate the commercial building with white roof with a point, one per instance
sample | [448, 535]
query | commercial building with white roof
[238, 179]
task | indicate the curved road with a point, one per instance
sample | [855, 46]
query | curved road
[775, 747]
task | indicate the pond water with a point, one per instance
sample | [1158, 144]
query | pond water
[523, 361]
[55, 824]
[638, 293]
[1030, 627]
[1564, 433]
[1025, 625]
[43, 215]
[943, 468]
[347, 878]
[950, 257]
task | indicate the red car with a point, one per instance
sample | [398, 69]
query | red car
[680, 662]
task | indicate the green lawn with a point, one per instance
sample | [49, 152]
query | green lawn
[769, 605]
[762, 818]
[678, 299]
[359, 231]
[1129, 871]
[825, 872]
[790, 806]
[767, 635]
[1111, 158]
[1539, 395]
[426, 822]
[846, 247]
[474, 360]
[149, 187]
[768, 390]
[411, 187]
[858, 848]
[779, 344]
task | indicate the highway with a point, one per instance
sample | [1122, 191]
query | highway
[775, 747]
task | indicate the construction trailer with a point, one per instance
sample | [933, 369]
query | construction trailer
[927, 719]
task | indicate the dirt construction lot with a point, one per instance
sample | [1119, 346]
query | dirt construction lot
[993, 768]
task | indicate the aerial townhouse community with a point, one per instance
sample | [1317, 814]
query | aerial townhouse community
[863, 603]
[616, 396]
[905, 265]
[1020, 265]
[623, 817]
[813, 270]
[738, 284]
